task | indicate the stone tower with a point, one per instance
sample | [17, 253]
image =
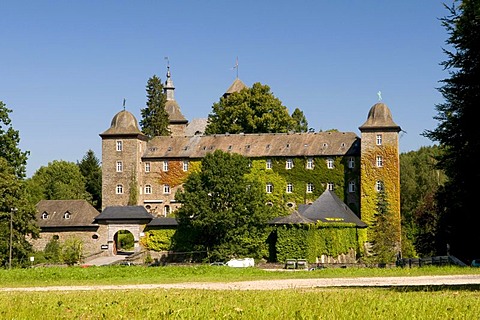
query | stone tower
[122, 147]
[380, 165]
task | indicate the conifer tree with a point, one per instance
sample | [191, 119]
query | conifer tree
[457, 131]
[154, 117]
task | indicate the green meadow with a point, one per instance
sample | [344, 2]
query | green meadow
[419, 302]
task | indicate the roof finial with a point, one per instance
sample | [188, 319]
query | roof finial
[168, 67]
[124, 100]
[236, 66]
[379, 93]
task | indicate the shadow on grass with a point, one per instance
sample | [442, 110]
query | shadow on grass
[431, 288]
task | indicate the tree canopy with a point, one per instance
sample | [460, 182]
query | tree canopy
[457, 130]
[155, 120]
[223, 212]
[9, 140]
[252, 110]
[92, 172]
[59, 180]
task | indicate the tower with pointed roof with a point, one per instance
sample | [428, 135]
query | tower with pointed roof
[380, 165]
[177, 121]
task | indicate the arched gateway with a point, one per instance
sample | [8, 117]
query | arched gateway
[119, 218]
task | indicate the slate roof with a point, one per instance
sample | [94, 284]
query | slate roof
[379, 116]
[255, 145]
[293, 218]
[124, 122]
[174, 113]
[329, 208]
[124, 213]
[80, 213]
[196, 126]
[163, 222]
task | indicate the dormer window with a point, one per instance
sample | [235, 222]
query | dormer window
[66, 215]
[44, 215]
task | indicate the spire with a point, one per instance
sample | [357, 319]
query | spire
[169, 87]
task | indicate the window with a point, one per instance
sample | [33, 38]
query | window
[379, 186]
[119, 189]
[330, 186]
[289, 188]
[166, 189]
[379, 140]
[148, 189]
[119, 166]
[309, 187]
[166, 210]
[119, 145]
[165, 165]
[269, 188]
[268, 164]
[44, 215]
[310, 163]
[147, 166]
[330, 163]
[289, 164]
[351, 162]
[379, 161]
[351, 186]
[185, 165]
[66, 215]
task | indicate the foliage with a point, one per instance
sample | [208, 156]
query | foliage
[133, 190]
[9, 141]
[15, 211]
[155, 120]
[60, 180]
[222, 210]
[158, 240]
[175, 175]
[384, 235]
[92, 172]
[125, 240]
[53, 251]
[72, 251]
[252, 110]
[457, 132]
[301, 123]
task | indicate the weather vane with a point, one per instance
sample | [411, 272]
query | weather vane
[124, 100]
[168, 62]
[236, 66]
[379, 93]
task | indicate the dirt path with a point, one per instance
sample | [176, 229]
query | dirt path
[278, 284]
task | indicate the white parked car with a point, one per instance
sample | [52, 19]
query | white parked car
[241, 263]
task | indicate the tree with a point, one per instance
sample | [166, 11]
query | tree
[17, 218]
[155, 119]
[92, 172]
[9, 140]
[457, 132]
[384, 232]
[222, 211]
[252, 110]
[300, 120]
[60, 180]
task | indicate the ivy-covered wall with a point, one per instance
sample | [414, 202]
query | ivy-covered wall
[312, 241]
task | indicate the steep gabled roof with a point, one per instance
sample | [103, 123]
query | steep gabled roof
[329, 208]
[294, 218]
[65, 213]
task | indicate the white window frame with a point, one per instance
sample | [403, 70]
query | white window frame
[268, 164]
[269, 188]
[310, 187]
[66, 215]
[378, 139]
[44, 215]
[147, 167]
[165, 165]
[379, 161]
[379, 186]
[352, 186]
[330, 186]
[310, 163]
[148, 189]
[166, 189]
[185, 165]
[119, 145]
[289, 164]
[119, 166]
[330, 163]
[119, 189]
[289, 188]
[351, 162]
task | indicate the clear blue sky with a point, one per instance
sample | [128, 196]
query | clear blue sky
[66, 66]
